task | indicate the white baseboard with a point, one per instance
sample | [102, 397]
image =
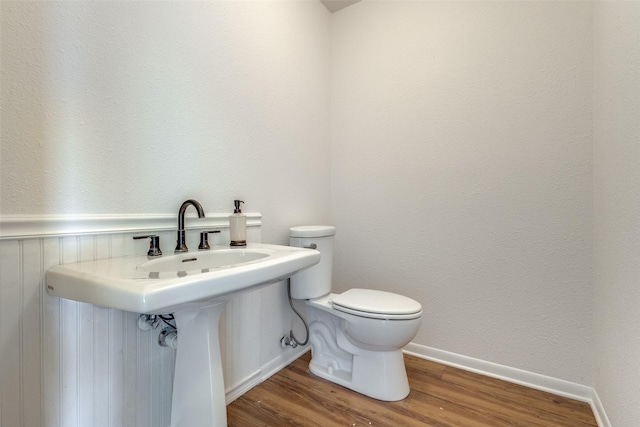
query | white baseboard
[552, 385]
[271, 368]
[598, 411]
[556, 386]
[244, 386]
[282, 361]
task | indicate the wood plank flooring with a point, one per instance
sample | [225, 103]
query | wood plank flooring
[440, 396]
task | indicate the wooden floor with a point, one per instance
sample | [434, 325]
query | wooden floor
[440, 396]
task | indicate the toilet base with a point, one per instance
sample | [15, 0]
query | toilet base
[377, 374]
[380, 375]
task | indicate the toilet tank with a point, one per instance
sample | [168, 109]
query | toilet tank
[315, 281]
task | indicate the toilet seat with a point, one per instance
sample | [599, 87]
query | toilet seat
[375, 304]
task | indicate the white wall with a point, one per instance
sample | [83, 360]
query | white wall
[461, 172]
[133, 107]
[116, 108]
[617, 209]
[460, 169]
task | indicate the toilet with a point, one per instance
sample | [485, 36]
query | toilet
[357, 336]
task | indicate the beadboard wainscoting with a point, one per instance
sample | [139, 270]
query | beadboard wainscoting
[65, 363]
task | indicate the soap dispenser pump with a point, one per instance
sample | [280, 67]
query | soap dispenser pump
[238, 226]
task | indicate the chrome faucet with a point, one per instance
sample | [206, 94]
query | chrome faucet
[181, 246]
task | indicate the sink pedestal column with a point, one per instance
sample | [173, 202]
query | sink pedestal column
[198, 387]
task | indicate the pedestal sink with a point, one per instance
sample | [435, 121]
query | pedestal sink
[193, 287]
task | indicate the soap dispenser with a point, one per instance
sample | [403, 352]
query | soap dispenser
[238, 226]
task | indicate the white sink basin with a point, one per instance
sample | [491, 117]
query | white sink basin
[176, 282]
[192, 261]
[192, 286]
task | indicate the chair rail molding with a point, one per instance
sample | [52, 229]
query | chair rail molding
[34, 226]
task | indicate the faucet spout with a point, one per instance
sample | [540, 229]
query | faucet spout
[181, 246]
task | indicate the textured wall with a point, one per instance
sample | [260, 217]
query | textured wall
[617, 209]
[133, 107]
[461, 171]
[460, 155]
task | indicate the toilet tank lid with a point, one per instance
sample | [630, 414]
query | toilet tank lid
[312, 231]
[374, 301]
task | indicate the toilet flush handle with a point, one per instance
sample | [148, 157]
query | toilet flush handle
[311, 246]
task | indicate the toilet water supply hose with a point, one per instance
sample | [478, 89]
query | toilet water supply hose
[291, 339]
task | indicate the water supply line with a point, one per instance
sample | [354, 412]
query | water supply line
[291, 339]
[168, 336]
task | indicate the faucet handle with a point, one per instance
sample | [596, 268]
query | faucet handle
[154, 244]
[204, 239]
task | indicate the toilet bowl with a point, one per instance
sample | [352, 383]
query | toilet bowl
[356, 337]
